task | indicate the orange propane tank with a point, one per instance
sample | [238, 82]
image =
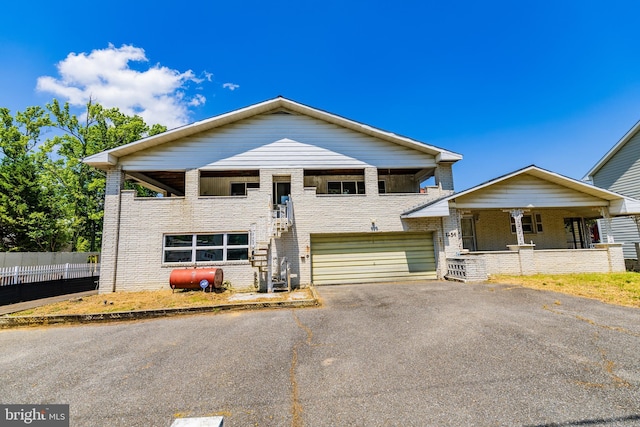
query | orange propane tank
[196, 278]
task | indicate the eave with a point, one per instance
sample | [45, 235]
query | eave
[110, 158]
[617, 204]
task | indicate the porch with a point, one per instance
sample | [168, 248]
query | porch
[525, 260]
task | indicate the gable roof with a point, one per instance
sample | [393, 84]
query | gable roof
[603, 161]
[110, 157]
[618, 204]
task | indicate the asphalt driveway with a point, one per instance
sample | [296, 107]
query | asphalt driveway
[432, 354]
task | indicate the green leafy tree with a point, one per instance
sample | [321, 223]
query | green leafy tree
[49, 199]
[99, 129]
[30, 217]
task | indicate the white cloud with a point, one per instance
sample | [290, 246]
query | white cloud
[230, 86]
[197, 100]
[158, 94]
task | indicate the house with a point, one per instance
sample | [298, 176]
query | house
[532, 221]
[619, 170]
[272, 192]
[280, 193]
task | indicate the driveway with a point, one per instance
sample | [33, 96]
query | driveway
[432, 354]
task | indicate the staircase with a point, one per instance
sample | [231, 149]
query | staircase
[262, 238]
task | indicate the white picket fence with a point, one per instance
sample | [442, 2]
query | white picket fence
[42, 273]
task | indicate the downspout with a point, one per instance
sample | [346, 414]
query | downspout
[270, 267]
[117, 242]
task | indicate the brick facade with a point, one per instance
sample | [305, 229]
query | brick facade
[137, 236]
[526, 260]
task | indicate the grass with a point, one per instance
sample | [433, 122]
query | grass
[612, 288]
[150, 300]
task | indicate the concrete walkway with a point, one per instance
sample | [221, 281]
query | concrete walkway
[26, 305]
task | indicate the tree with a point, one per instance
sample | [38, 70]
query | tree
[100, 129]
[30, 217]
[49, 199]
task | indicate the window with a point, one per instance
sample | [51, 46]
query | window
[538, 223]
[382, 187]
[240, 188]
[206, 247]
[345, 187]
[529, 226]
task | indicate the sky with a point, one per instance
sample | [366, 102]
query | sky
[505, 83]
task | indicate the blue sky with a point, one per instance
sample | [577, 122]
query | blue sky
[504, 83]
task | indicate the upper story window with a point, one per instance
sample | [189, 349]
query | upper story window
[228, 182]
[405, 180]
[240, 188]
[205, 247]
[345, 187]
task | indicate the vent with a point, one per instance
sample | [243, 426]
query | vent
[281, 112]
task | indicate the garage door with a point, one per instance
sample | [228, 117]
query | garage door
[379, 257]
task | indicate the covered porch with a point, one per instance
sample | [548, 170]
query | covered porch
[534, 221]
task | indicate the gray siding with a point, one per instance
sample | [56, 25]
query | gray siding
[277, 140]
[622, 175]
[625, 231]
[622, 172]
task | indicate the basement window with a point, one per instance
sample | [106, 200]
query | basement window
[181, 248]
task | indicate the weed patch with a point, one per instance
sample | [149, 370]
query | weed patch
[151, 300]
[612, 288]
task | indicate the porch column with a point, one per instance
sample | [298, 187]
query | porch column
[615, 256]
[606, 222]
[516, 214]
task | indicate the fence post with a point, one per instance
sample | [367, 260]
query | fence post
[16, 272]
[66, 271]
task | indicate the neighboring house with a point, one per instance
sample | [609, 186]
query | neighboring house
[502, 221]
[619, 171]
[281, 191]
[277, 183]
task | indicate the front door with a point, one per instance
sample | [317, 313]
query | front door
[575, 233]
[468, 229]
[281, 190]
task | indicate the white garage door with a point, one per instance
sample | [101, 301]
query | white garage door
[379, 257]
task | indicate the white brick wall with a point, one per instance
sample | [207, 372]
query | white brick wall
[110, 239]
[144, 221]
[527, 261]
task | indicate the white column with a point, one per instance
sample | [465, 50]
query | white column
[516, 214]
[606, 222]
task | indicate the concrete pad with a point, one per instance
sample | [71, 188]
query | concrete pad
[199, 422]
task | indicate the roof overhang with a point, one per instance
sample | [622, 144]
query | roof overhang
[438, 208]
[624, 206]
[110, 157]
[617, 204]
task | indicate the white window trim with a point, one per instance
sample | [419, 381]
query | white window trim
[535, 224]
[342, 182]
[246, 185]
[194, 248]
